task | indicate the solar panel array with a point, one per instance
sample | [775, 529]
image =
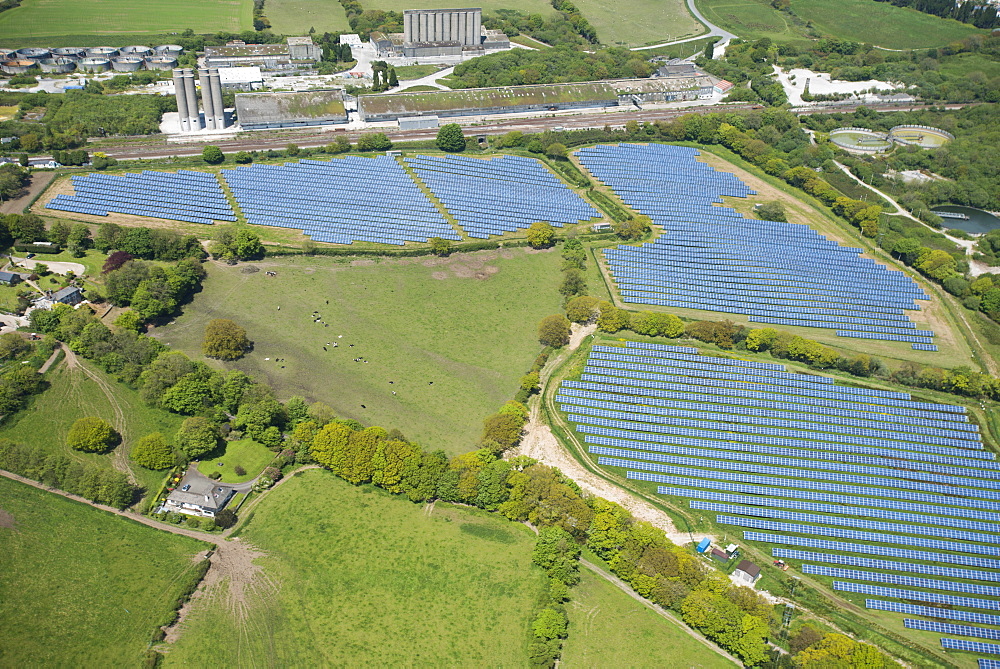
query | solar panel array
[712, 257]
[971, 646]
[195, 197]
[339, 201]
[869, 489]
[499, 195]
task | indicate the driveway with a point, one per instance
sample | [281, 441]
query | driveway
[192, 474]
[56, 266]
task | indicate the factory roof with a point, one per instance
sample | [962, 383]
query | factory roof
[238, 48]
[261, 108]
[239, 75]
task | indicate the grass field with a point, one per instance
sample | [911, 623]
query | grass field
[246, 453]
[296, 17]
[72, 394]
[53, 18]
[454, 335]
[877, 23]
[640, 22]
[598, 612]
[361, 578]
[415, 71]
[81, 587]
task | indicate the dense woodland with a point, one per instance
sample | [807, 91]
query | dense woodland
[549, 66]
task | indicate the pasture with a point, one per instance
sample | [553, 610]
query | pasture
[878, 23]
[599, 612]
[362, 578]
[82, 587]
[453, 335]
[46, 420]
[640, 22]
[55, 18]
[296, 17]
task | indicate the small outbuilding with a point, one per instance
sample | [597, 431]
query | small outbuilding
[10, 278]
[703, 546]
[747, 572]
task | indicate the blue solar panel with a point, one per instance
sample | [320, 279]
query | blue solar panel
[917, 595]
[971, 646]
[710, 257]
[948, 628]
[933, 612]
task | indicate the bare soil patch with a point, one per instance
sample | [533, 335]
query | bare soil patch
[7, 520]
[39, 181]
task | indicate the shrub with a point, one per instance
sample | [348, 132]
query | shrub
[212, 155]
[90, 434]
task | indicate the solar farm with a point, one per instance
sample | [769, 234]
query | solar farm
[712, 257]
[869, 490]
[347, 200]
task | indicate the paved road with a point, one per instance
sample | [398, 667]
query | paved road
[56, 266]
[713, 31]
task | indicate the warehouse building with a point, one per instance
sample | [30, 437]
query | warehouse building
[522, 99]
[241, 78]
[257, 111]
[295, 51]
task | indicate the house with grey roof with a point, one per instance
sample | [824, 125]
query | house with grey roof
[198, 496]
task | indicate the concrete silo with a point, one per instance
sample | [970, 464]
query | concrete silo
[215, 82]
[191, 93]
[207, 100]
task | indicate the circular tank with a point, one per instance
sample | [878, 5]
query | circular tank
[161, 63]
[168, 50]
[57, 65]
[102, 52]
[69, 52]
[126, 63]
[16, 66]
[33, 53]
[7, 54]
[139, 51]
[94, 64]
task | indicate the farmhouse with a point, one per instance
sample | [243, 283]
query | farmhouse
[203, 497]
[70, 295]
[747, 572]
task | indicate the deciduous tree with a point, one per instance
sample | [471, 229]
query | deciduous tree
[153, 452]
[90, 434]
[540, 235]
[450, 138]
[224, 340]
[197, 436]
[554, 331]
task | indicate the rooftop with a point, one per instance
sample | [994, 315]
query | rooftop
[239, 48]
[749, 568]
[202, 492]
[256, 108]
[238, 75]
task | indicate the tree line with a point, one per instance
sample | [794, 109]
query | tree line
[559, 64]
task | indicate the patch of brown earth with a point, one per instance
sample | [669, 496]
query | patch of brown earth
[6, 520]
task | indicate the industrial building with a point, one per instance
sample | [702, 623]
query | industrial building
[523, 99]
[257, 111]
[187, 100]
[429, 33]
[241, 78]
[63, 60]
[295, 51]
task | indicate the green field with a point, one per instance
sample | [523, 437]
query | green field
[878, 23]
[45, 422]
[81, 587]
[246, 453]
[356, 577]
[54, 18]
[640, 22]
[296, 17]
[453, 335]
[598, 612]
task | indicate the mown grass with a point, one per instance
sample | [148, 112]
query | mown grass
[881, 24]
[81, 587]
[297, 17]
[362, 578]
[598, 614]
[246, 453]
[640, 22]
[52, 18]
[45, 422]
[415, 71]
[454, 336]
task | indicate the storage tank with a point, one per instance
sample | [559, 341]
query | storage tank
[140, 51]
[73, 52]
[101, 52]
[126, 63]
[161, 63]
[57, 65]
[8, 54]
[33, 53]
[168, 50]
[94, 64]
[17, 66]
